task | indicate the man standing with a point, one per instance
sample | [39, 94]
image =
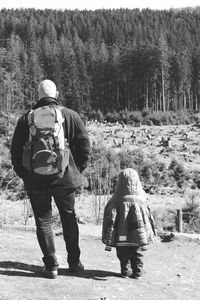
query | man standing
[41, 188]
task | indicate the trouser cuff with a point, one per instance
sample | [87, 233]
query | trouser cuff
[50, 262]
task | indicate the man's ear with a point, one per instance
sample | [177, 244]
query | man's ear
[57, 94]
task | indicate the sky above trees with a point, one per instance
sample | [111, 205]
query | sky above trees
[98, 4]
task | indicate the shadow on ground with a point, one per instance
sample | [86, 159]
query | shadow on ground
[14, 268]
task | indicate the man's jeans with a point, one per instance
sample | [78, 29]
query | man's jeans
[42, 209]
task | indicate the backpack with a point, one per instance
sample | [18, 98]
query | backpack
[46, 153]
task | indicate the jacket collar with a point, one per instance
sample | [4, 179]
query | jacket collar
[46, 101]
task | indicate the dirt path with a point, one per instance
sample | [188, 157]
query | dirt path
[172, 270]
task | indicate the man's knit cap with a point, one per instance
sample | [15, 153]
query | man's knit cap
[47, 88]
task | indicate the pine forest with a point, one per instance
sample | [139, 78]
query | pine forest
[106, 60]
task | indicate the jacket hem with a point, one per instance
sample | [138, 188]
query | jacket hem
[127, 244]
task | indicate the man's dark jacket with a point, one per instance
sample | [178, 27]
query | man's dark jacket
[79, 144]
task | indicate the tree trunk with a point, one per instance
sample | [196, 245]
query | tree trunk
[163, 89]
[147, 94]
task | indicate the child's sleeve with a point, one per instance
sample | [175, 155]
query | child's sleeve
[109, 228]
[150, 217]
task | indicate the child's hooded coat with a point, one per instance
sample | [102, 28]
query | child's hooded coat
[127, 217]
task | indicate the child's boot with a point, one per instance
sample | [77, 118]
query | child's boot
[125, 269]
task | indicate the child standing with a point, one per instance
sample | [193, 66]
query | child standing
[128, 223]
